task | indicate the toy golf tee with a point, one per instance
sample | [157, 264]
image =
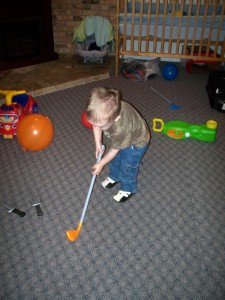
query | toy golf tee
[181, 130]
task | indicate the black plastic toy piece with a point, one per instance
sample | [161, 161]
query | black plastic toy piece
[39, 211]
[19, 212]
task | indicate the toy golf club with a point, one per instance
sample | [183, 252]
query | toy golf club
[13, 210]
[35, 203]
[72, 235]
[172, 105]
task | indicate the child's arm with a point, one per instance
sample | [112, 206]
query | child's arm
[98, 140]
[97, 168]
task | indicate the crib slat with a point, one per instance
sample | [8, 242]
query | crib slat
[211, 29]
[171, 27]
[156, 27]
[195, 27]
[179, 26]
[187, 27]
[140, 26]
[203, 29]
[125, 23]
[132, 25]
[148, 26]
[163, 27]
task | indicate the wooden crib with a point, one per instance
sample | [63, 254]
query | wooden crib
[174, 29]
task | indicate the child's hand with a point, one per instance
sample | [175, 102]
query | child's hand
[98, 150]
[97, 168]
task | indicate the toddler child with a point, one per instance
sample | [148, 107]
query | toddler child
[129, 136]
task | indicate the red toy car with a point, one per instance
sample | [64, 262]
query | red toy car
[17, 105]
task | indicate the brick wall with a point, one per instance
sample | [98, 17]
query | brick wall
[67, 15]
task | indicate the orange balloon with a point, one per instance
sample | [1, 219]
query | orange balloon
[35, 132]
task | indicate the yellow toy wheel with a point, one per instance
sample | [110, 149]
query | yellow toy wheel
[211, 124]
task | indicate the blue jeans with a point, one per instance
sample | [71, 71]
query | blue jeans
[125, 166]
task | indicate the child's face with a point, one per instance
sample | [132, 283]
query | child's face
[103, 125]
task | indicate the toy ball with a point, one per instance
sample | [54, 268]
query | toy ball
[169, 71]
[84, 120]
[35, 132]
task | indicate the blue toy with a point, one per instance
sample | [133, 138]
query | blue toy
[169, 71]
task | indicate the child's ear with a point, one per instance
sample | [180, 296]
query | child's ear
[117, 118]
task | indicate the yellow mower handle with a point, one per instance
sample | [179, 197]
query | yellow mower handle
[158, 121]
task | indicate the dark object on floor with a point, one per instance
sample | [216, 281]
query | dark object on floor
[139, 70]
[216, 90]
[38, 208]
[14, 210]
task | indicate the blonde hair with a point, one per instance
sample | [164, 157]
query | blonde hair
[103, 105]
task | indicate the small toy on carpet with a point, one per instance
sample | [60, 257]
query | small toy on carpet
[38, 208]
[181, 130]
[14, 210]
[170, 71]
[173, 106]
